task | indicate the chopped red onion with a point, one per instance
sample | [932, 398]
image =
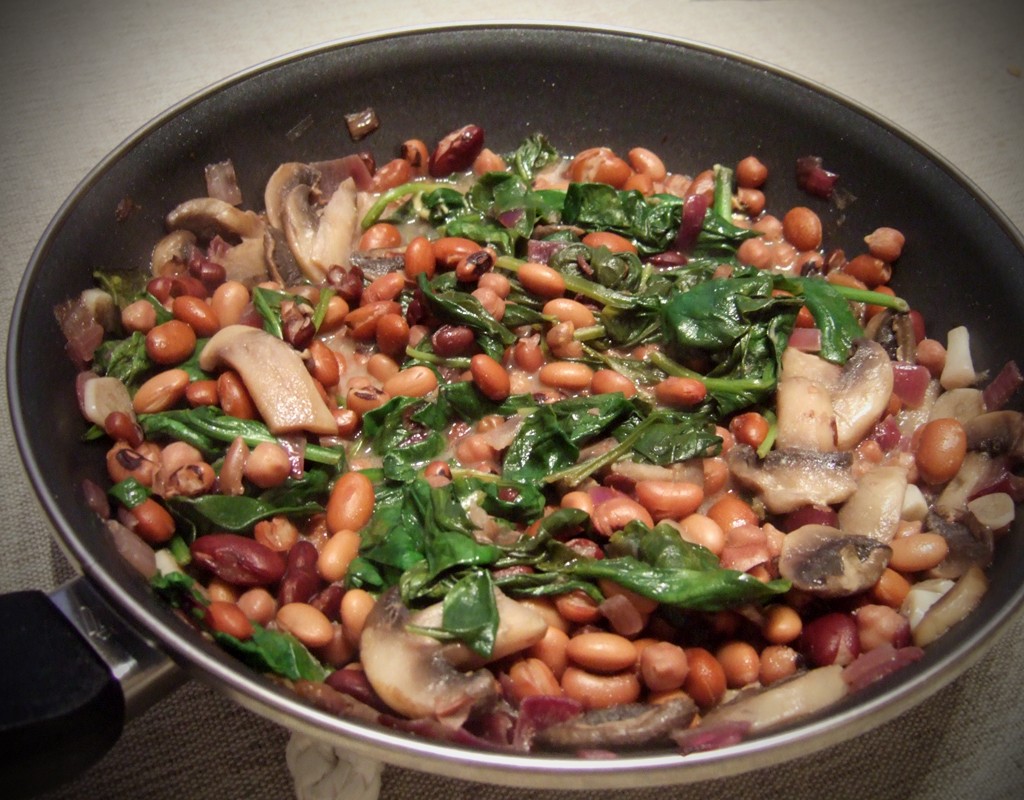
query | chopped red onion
[81, 330]
[511, 218]
[813, 178]
[877, 663]
[540, 251]
[622, 615]
[700, 740]
[910, 382]
[538, 712]
[362, 123]
[337, 170]
[1002, 387]
[887, 434]
[806, 340]
[222, 183]
[695, 208]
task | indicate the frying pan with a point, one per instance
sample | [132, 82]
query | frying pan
[692, 104]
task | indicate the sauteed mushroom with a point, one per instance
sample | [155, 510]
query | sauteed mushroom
[620, 727]
[786, 480]
[827, 562]
[876, 506]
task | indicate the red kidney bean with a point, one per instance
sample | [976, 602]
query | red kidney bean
[300, 580]
[456, 151]
[328, 601]
[238, 559]
[453, 340]
[831, 639]
[809, 515]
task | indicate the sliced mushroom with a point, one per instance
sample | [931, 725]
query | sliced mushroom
[280, 260]
[620, 727]
[274, 375]
[246, 262]
[997, 432]
[862, 393]
[782, 702]
[876, 507]
[966, 548]
[790, 479]
[208, 217]
[827, 562]
[895, 332]
[409, 671]
[319, 238]
[519, 627]
[805, 415]
[285, 178]
[952, 607]
[974, 472]
[172, 253]
[959, 404]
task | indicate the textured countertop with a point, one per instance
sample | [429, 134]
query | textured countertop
[78, 78]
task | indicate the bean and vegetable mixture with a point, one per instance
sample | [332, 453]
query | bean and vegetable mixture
[541, 452]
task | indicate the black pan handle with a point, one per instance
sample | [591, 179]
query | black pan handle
[71, 673]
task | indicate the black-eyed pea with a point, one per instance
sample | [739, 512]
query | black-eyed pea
[669, 499]
[268, 465]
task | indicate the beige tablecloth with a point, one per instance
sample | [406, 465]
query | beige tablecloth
[78, 77]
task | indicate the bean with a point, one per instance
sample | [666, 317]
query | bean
[300, 580]
[703, 183]
[365, 398]
[382, 367]
[328, 601]
[258, 605]
[716, 474]
[599, 165]
[638, 182]
[931, 354]
[415, 152]
[305, 623]
[451, 341]
[417, 381]
[879, 625]
[663, 666]
[781, 625]
[577, 607]
[702, 530]
[492, 303]
[830, 639]
[322, 364]
[419, 258]
[612, 241]
[190, 480]
[680, 392]
[161, 392]
[488, 161]
[350, 504]
[229, 301]
[705, 678]
[869, 270]
[664, 499]
[381, 235]
[601, 652]
[527, 354]
[238, 559]
[268, 465]
[551, 648]
[337, 312]
[392, 174]
[278, 533]
[749, 428]
[471, 266]
[348, 422]
[568, 375]
[496, 282]
[235, 399]
[119, 425]
[577, 499]
[646, 162]
[565, 309]
[202, 393]
[777, 662]
[885, 243]
[153, 522]
[138, 317]
[490, 377]
[196, 313]
[942, 446]
[740, 662]
[802, 228]
[387, 287]
[337, 554]
[562, 342]
[363, 321]
[170, 342]
[356, 605]
[770, 226]
[918, 552]
[456, 151]
[614, 514]
[475, 449]
[228, 618]
[217, 589]
[600, 691]
[755, 253]
[541, 280]
[730, 511]
[891, 588]
[751, 173]
[608, 381]
[531, 677]
[449, 250]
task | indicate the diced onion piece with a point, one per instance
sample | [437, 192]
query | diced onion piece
[166, 563]
[915, 507]
[222, 183]
[953, 606]
[992, 512]
[102, 396]
[923, 596]
[959, 369]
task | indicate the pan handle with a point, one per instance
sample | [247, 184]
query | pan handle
[72, 673]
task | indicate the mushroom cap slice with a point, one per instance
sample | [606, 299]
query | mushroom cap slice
[171, 252]
[876, 507]
[862, 394]
[319, 238]
[997, 432]
[826, 562]
[409, 671]
[806, 419]
[207, 217]
[274, 375]
[285, 178]
[790, 479]
[625, 726]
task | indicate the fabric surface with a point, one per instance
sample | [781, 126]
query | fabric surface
[79, 77]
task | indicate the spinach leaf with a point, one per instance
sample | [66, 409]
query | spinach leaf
[461, 308]
[129, 492]
[532, 155]
[651, 223]
[402, 428]
[470, 612]
[276, 652]
[832, 316]
[124, 359]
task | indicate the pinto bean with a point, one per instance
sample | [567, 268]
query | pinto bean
[600, 691]
[601, 652]
[350, 504]
[665, 499]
